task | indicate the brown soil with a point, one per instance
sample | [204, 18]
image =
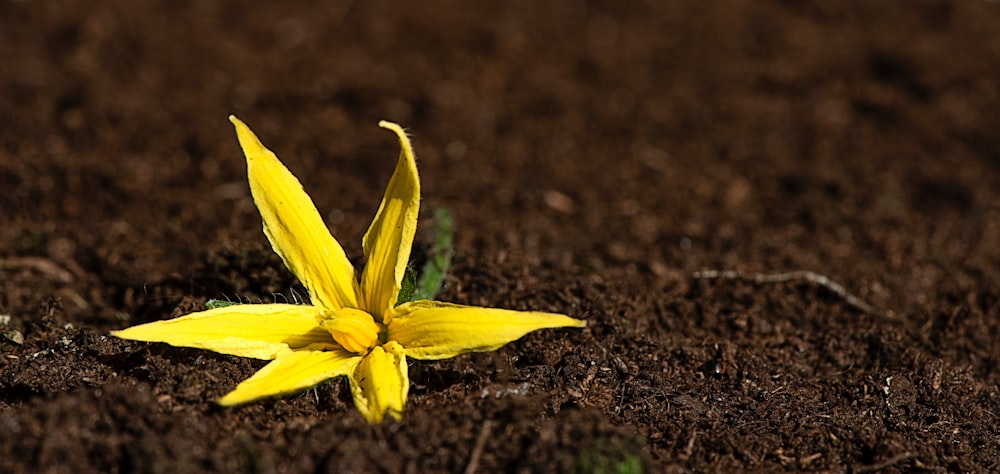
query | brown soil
[595, 157]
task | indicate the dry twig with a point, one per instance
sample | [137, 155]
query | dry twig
[41, 265]
[811, 277]
[477, 451]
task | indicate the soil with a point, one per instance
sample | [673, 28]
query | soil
[598, 158]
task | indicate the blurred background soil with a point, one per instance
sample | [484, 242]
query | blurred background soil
[596, 157]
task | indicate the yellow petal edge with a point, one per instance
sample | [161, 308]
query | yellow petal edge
[290, 373]
[380, 383]
[388, 241]
[433, 330]
[260, 331]
[294, 227]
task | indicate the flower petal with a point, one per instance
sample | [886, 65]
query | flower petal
[380, 383]
[435, 330]
[390, 236]
[353, 329]
[290, 373]
[294, 228]
[261, 331]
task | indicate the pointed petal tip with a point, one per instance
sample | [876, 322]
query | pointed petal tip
[395, 127]
[559, 320]
[230, 401]
[128, 333]
[248, 140]
[400, 132]
[241, 126]
[226, 401]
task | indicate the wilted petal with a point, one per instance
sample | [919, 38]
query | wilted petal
[380, 383]
[390, 236]
[434, 330]
[261, 331]
[290, 373]
[294, 227]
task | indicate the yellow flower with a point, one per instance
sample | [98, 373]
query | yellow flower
[353, 326]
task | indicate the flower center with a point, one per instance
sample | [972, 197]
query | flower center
[353, 329]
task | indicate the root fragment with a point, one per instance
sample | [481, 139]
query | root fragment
[811, 277]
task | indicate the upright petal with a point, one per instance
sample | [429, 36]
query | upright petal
[261, 331]
[434, 330]
[390, 236]
[380, 383]
[294, 227]
[290, 373]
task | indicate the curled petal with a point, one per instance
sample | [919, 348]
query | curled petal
[354, 329]
[434, 330]
[294, 228]
[388, 240]
[261, 331]
[380, 383]
[290, 373]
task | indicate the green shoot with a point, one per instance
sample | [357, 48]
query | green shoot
[439, 258]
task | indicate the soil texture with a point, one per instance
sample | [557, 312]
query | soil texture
[780, 220]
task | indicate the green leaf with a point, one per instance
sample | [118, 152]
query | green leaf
[214, 303]
[407, 287]
[439, 258]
